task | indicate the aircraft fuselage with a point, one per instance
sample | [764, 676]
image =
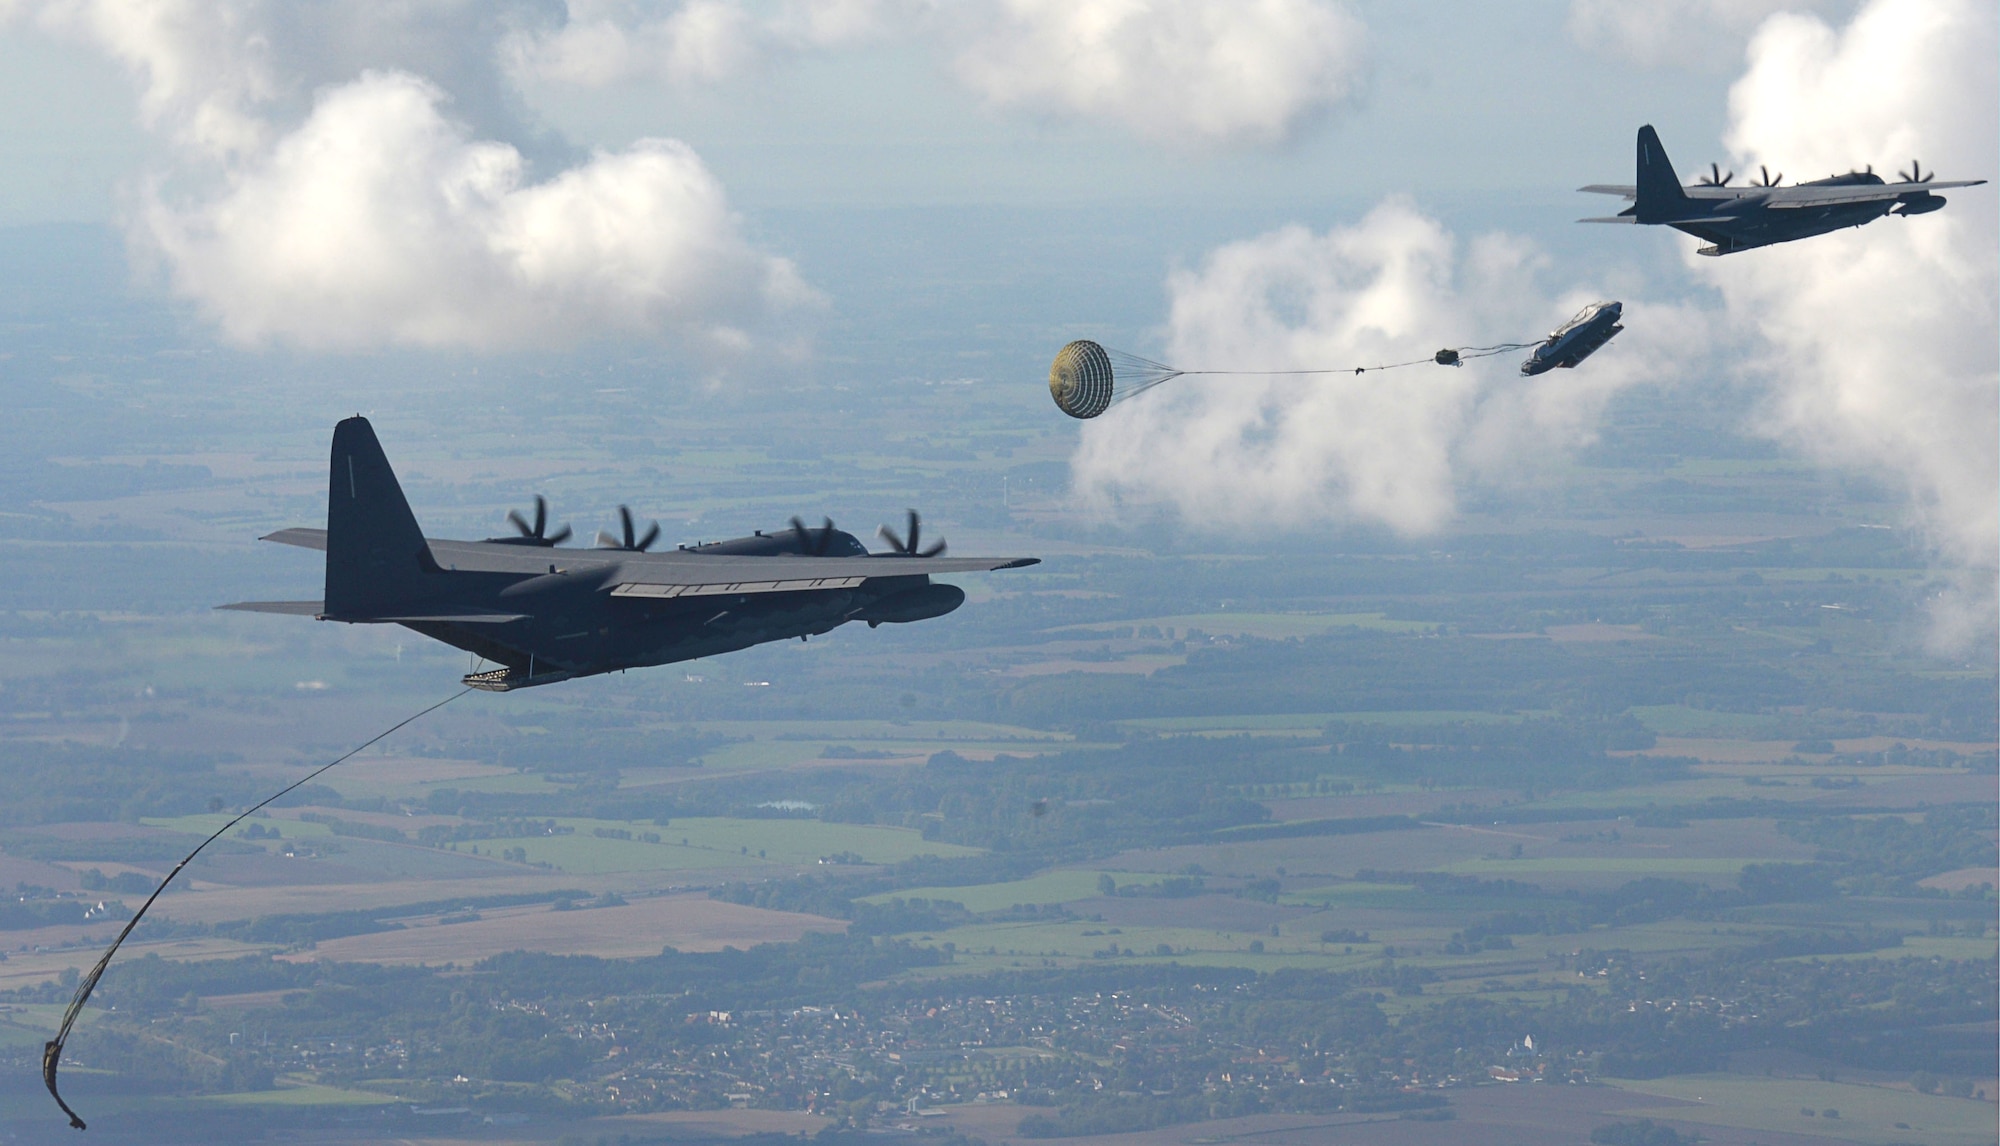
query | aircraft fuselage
[546, 613]
[1767, 211]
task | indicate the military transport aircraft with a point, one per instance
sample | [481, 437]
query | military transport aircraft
[1762, 213]
[546, 614]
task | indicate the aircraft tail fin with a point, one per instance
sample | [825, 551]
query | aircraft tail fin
[1660, 197]
[376, 558]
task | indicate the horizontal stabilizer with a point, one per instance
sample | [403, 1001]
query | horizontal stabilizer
[456, 618]
[303, 538]
[288, 608]
[1610, 219]
[1624, 189]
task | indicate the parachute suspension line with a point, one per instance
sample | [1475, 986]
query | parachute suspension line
[53, 1049]
[1088, 379]
[1136, 375]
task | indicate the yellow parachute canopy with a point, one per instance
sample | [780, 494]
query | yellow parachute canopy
[1080, 379]
[1086, 379]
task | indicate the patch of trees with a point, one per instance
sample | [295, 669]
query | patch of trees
[67, 782]
[355, 828]
[21, 913]
[1123, 1114]
[1890, 851]
[1644, 1132]
[128, 882]
[148, 847]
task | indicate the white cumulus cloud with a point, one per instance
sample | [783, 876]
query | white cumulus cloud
[201, 69]
[594, 43]
[1884, 342]
[1874, 350]
[1379, 447]
[1688, 33]
[380, 220]
[601, 42]
[1178, 71]
[1183, 72]
[352, 174]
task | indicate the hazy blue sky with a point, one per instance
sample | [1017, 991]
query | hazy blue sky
[1452, 97]
[1456, 96]
[817, 188]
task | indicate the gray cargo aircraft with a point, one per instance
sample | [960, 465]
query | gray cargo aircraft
[1762, 213]
[546, 614]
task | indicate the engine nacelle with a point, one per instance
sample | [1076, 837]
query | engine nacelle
[1922, 204]
[913, 605]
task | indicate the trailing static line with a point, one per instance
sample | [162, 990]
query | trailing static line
[53, 1049]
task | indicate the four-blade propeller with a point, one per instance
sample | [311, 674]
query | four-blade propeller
[1715, 177]
[1916, 174]
[535, 534]
[631, 541]
[909, 548]
[813, 543]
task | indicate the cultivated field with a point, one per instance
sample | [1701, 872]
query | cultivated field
[1518, 1115]
[1059, 886]
[575, 845]
[638, 928]
[1860, 1113]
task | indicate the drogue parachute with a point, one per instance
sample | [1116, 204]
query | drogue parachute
[1086, 379]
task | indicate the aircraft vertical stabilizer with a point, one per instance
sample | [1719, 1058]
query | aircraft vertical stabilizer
[376, 556]
[1659, 197]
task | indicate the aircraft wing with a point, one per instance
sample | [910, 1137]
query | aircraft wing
[673, 573]
[1808, 196]
[705, 575]
[462, 617]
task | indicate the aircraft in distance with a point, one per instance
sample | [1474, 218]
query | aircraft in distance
[1735, 219]
[546, 614]
[1577, 340]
